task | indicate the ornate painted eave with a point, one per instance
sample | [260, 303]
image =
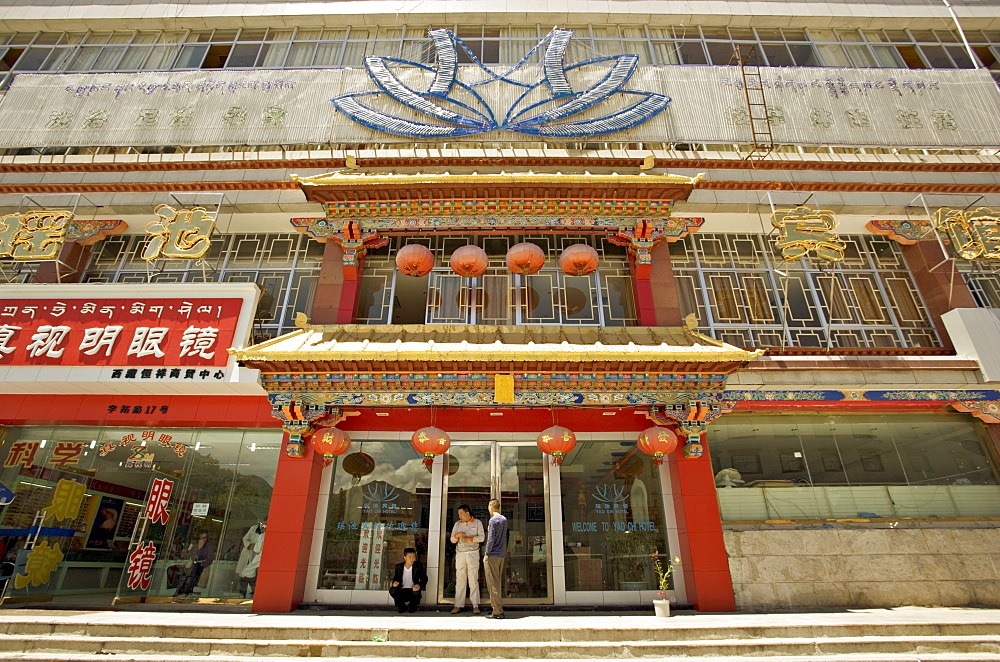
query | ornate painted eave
[341, 186]
[326, 346]
[467, 365]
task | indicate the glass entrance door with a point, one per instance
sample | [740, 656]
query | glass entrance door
[515, 473]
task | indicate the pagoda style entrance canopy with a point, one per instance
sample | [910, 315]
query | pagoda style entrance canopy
[326, 367]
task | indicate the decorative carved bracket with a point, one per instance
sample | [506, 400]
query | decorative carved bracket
[298, 419]
[988, 411]
[645, 234]
[347, 234]
[691, 419]
[90, 232]
[906, 232]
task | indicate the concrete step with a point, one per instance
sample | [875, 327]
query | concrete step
[61, 645]
[866, 657]
[332, 628]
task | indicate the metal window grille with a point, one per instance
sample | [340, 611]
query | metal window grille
[286, 266]
[744, 294]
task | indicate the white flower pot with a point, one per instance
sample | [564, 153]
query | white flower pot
[661, 607]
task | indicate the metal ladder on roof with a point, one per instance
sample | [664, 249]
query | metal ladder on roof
[753, 90]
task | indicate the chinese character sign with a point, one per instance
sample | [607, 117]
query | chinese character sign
[180, 234]
[118, 332]
[33, 236]
[973, 234]
[66, 500]
[140, 566]
[40, 563]
[159, 497]
[804, 231]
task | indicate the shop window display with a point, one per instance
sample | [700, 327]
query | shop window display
[91, 490]
[613, 518]
[853, 465]
[376, 510]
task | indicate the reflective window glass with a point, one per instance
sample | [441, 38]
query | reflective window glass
[376, 510]
[614, 519]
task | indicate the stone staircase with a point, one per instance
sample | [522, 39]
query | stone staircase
[910, 635]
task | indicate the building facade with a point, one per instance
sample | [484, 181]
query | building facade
[258, 258]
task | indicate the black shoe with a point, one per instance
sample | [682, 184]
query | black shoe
[402, 610]
[413, 609]
[494, 615]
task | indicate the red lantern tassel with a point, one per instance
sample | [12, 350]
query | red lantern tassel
[428, 461]
[557, 460]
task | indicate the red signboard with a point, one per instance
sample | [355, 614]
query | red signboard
[117, 332]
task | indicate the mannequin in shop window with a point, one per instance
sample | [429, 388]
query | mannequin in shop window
[249, 561]
[200, 554]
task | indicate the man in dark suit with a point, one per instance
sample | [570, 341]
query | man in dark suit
[408, 582]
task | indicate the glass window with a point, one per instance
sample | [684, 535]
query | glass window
[499, 297]
[191, 56]
[613, 517]
[243, 56]
[692, 52]
[221, 487]
[375, 511]
[853, 465]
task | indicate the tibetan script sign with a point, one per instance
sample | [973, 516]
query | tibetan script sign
[973, 234]
[805, 231]
[805, 105]
[33, 236]
[141, 332]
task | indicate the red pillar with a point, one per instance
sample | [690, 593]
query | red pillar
[337, 288]
[329, 286]
[943, 289]
[704, 560]
[656, 300]
[663, 288]
[74, 259]
[281, 579]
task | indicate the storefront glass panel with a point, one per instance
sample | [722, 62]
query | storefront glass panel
[379, 505]
[800, 466]
[613, 518]
[514, 473]
[88, 489]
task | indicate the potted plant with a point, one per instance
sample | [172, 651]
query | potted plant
[663, 571]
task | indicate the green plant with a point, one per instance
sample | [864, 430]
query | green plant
[663, 570]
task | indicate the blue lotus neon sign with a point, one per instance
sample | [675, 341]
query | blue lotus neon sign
[450, 108]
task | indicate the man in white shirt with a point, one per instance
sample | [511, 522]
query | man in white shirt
[467, 534]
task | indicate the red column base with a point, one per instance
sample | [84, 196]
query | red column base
[281, 579]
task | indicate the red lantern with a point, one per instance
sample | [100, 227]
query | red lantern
[330, 442]
[430, 442]
[525, 259]
[469, 261]
[657, 441]
[415, 260]
[578, 260]
[556, 441]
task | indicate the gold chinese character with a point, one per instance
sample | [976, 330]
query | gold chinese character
[804, 231]
[181, 235]
[39, 565]
[973, 234]
[33, 235]
[66, 500]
